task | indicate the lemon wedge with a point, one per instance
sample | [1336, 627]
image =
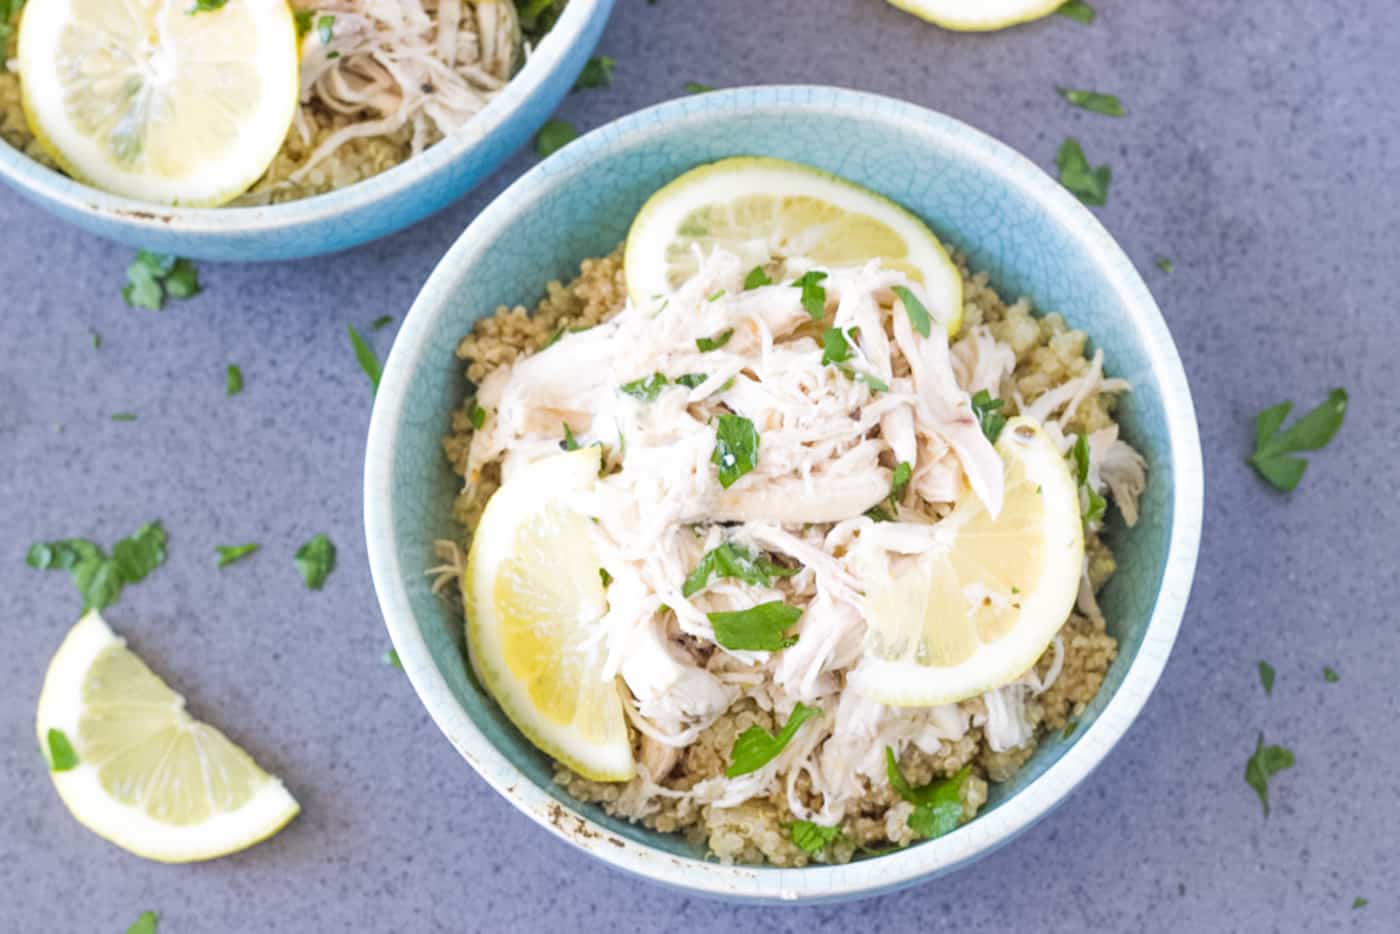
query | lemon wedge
[136, 769]
[978, 15]
[978, 610]
[534, 599]
[766, 211]
[154, 102]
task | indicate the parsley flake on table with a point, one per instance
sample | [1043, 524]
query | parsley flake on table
[146, 924]
[756, 278]
[233, 380]
[391, 658]
[695, 87]
[123, 416]
[1266, 762]
[758, 629]
[554, 136]
[1093, 101]
[597, 73]
[919, 318]
[96, 340]
[315, 560]
[1266, 677]
[938, 807]
[756, 747]
[736, 448]
[1077, 10]
[1329, 674]
[100, 577]
[1359, 902]
[706, 344]
[231, 553]
[1165, 264]
[813, 293]
[988, 412]
[383, 321]
[731, 560]
[365, 355]
[1272, 449]
[61, 755]
[812, 838]
[153, 277]
[1088, 184]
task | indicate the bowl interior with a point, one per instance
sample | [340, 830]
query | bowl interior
[978, 196]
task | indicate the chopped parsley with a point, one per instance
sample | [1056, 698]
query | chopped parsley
[707, 344]
[691, 380]
[1312, 432]
[835, 347]
[383, 321]
[646, 389]
[99, 577]
[938, 807]
[988, 412]
[123, 416]
[146, 924]
[919, 318]
[758, 629]
[756, 278]
[695, 87]
[1329, 674]
[391, 658]
[303, 20]
[715, 296]
[554, 136]
[205, 6]
[315, 560]
[1266, 677]
[756, 747]
[61, 754]
[325, 28]
[231, 553]
[1069, 730]
[1093, 101]
[364, 353]
[887, 510]
[1165, 264]
[1077, 10]
[813, 293]
[736, 448]
[875, 383]
[153, 277]
[96, 340]
[1092, 505]
[477, 416]
[597, 73]
[1266, 762]
[233, 380]
[812, 838]
[9, 9]
[570, 443]
[734, 561]
[1359, 902]
[537, 17]
[1088, 184]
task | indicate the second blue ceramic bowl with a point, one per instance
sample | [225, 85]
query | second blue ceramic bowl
[982, 198]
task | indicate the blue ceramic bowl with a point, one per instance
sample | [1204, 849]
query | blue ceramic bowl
[982, 198]
[350, 216]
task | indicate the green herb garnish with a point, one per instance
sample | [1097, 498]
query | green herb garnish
[315, 560]
[736, 448]
[153, 277]
[1272, 448]
[1359, 902]
[1070, 727]
[391, 658]
[887, 510]
[570, 443]
[96, 340]
[706, 344]
[1077, 10]
[988, 412]
[758, 629]
[938, 807]
[205, 6]
[325, 28]
[734, 561]
[233, 380]
[1088, 184]
[691, 380]
[146, 924]
[1329, 674]
[813, 293]
[919, 317]
[1266, 677]
[812, 838]
[61, 754]
[1093, 101]
[695, 87]
[1266, 762]
[554, 136]
[477, 416]
[1165, 264]
[99, 577]
[646, 389]
[303, 20]
[366, 357]
[597, 73]
[756, 278]
[1094, 505]
[383, 321]
[231, 553]
[835, 347]
[756, 747]
[715, 296]
[123, 416]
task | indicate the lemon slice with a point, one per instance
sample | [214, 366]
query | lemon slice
[977, 611]
[151, 101]
[534, 599]
[767, 211]
[978, 15]
[148, 777]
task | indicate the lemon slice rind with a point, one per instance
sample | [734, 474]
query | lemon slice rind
[978, 15]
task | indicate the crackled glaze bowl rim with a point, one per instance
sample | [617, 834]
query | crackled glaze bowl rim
[58, 189]
[813, 883]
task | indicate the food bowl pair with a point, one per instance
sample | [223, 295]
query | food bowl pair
[980, 197]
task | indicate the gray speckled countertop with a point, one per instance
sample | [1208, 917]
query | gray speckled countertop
[1259, 154]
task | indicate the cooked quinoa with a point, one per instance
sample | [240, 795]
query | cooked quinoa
[1048, 354]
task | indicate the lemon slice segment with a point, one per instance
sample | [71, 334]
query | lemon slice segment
[149, 777]
[978, 15]
[767, 211]
[150, 101]
[978, 610]
[534, 598]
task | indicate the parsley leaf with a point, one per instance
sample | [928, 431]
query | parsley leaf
[646, 389]
[597, 73]
[478, 416]
[554, 136]
[98, 577]
[736, 448]
[146, 924]
[1088, 184]
[153, 277]
[813, 293]
[96, 340]
[757, 277]
[391, 658]
[231, 553]
[988, 412]
[1093, 505]
[303, 19]
[233, 380]
[205, 6]
[706, 344]
[570, 443]
[938, 807]
[715, 296]
[813, 838]
[1266, 677]
[61, 754]
[1266, 762]
[835, 347]
[1329, 674]
[1164, 264]
[919, 317]
[315, 560]
[183, 281]
[1093, 101]
[366, 357]
[123, 416]
[691, 380]
[1359, 902]
[1077, 10]
[325, 28]
[875, 383]
[758, 629]
[734, 561]
[695, 87]
[887, 510]
[140, 554]
[756, 747]
[1312, 432]
[383, 321]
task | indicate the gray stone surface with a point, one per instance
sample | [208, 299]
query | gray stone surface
[1258, 154]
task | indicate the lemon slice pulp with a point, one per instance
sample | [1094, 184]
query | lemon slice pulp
[977, 611]
[149, 777]
[156, 103]
[768, 210]
[978, 15]
[534, 598]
